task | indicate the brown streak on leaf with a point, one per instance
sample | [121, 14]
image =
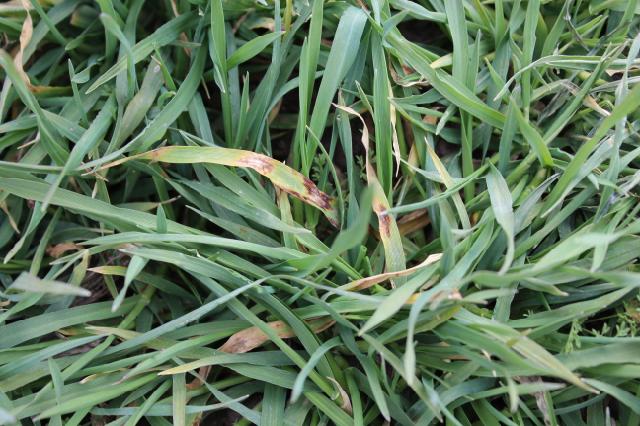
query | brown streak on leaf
[258, 162]
[416, 223]
[362, 5]
[203, 372]
[410, 217]
[12, 222]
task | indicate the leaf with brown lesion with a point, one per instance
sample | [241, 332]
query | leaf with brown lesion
[387, 225]
[284, 177]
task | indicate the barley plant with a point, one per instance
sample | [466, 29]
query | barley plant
[319, 212]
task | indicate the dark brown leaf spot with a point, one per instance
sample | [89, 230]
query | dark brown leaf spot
[316, 196]
[384, 220]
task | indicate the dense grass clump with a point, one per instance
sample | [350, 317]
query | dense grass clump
[308, 212]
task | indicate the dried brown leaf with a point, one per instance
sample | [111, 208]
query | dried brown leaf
[58, 250]
[250, 338]
[364, 283]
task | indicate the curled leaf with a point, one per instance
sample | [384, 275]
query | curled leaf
[346, 402]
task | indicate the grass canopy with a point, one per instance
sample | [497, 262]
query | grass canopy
[310, 212]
